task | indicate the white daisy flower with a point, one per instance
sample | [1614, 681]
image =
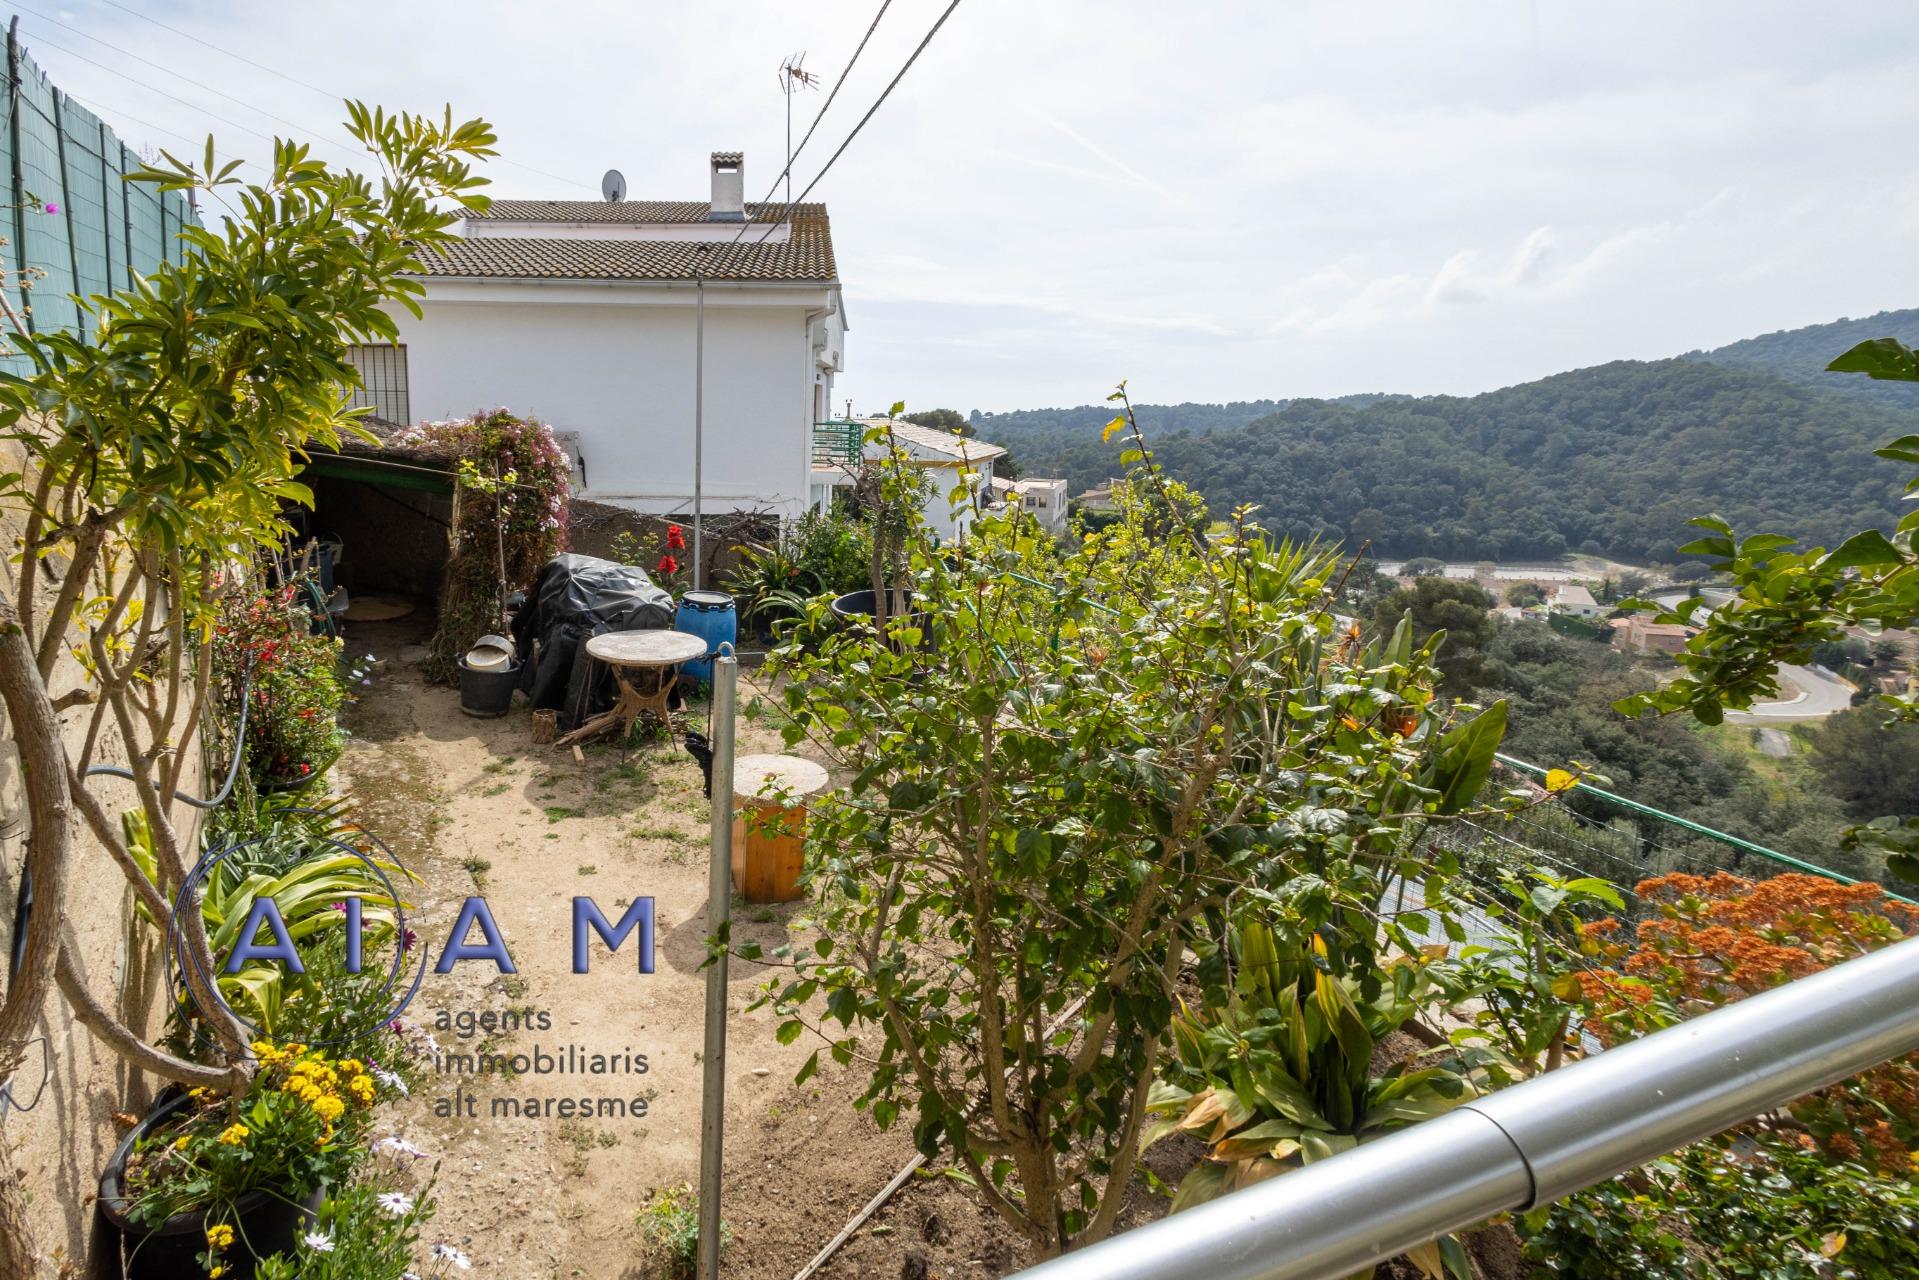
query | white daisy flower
[399, 1147]
[391, 1081]
[319, 1242]
[396, 1203]
[453, 1255]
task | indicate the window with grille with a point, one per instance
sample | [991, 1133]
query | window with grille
[383, 371]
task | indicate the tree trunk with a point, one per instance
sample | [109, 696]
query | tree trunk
[35, 730]
[19, 1255]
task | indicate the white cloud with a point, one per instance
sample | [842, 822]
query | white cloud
[1215, 201]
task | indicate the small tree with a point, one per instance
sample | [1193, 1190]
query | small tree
[511, 479]
[157, 455]
[1786, 604]
[1057, 791]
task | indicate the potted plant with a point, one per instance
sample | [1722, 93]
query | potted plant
[213, 1182]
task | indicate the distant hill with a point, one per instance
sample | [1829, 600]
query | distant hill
[1801, 355]
[1612, 459]
[1048, 429]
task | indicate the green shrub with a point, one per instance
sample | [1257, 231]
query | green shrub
[1765, 1209]
[671, 1224]
[357, 1239]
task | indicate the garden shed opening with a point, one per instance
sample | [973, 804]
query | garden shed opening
[386, 516]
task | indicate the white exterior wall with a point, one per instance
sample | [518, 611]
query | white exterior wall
[614, 364]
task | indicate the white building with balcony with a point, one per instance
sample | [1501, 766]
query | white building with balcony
[840, 448]
[587, 314]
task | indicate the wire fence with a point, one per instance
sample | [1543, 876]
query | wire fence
[73, 224]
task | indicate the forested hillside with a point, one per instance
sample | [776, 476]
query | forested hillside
[1801, 355]
[1613, 460]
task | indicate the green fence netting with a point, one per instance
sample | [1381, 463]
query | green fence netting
[73, 225]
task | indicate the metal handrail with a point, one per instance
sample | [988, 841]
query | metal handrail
[1535, 1142]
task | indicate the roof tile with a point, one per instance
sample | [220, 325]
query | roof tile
[805, 256]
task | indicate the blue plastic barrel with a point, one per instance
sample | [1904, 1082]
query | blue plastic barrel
[710, 616]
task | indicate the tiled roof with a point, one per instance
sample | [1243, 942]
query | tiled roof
[628, 211]
[806, 255]
[943, 442]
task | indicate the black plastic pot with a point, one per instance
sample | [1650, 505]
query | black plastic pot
[267, 1224]
[488, 694]
[856, 607]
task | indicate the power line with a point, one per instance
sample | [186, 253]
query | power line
[312, 88]
[834, 92]
[100, 108]
[238, 57]
[792, 204]
[880, 101]
[334, 139]
[43, 41]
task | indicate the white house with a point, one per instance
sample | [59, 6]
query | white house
[1576, 600]
[584, 315]
[1043, 499]
[941, 454]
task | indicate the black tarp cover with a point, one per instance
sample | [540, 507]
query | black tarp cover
[574, 599]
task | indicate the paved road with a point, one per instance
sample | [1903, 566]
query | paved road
[1821, 693]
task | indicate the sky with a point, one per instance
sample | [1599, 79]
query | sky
[1213, 200]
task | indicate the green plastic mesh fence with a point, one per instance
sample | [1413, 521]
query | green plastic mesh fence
[73, 224]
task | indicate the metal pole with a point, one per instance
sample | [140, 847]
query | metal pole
[699, 418]
[719, 903]
[1535, 1142]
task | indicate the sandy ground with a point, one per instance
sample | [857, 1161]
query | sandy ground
[473, 807]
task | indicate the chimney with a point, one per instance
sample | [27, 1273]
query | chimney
[729, 188]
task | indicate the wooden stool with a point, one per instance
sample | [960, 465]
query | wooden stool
[769, 830]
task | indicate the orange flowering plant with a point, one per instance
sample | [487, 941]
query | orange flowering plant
[1718, 939]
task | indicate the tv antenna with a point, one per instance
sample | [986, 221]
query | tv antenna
[613, 186]
[793, 77]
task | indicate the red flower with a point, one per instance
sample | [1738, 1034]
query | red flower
[667, 566]
[675, 538]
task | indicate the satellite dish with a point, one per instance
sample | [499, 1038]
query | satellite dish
[613, 186]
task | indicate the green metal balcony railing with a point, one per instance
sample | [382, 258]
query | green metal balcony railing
[837, 443]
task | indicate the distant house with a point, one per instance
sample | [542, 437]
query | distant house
[941, 454]
[584, 314]
[1044, 500]
[1638, 633]
[1574, 599]
[1098, 498]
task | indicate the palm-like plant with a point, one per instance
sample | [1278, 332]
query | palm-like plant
[1281, 1074]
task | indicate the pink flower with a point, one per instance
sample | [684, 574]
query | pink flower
[52, 207]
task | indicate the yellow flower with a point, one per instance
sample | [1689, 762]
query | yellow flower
[217, 1272]
[1558, 780]
[329, 1108]
[220, 1237]
[233, 1137]
[179, 1143]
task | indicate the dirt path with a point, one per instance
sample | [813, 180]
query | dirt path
[474, 808]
